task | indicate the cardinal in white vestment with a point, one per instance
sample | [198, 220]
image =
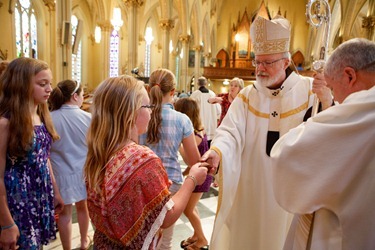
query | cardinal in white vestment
[248, 215]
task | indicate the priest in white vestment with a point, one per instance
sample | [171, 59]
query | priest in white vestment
[248, 215]
[209, 113]
[327, 165]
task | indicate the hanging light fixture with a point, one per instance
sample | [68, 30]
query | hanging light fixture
[116, 19]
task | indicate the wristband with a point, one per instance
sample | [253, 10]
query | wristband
[7, 227]
[193, 179]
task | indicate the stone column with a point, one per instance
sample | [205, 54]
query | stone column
[197, 62]
[172, 67]
[166, 26]
[52, 45]
[106, 29]
[132, 32]
[64, 53]
[185, 62]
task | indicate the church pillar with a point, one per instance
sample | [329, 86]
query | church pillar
[133, 32]
[185, 63]
[64, 31]
[51, 43]
[166, 26]
[197, 62]
[173, 67]
[106, 29]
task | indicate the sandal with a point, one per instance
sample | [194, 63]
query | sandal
[187, 242]
[194, 247]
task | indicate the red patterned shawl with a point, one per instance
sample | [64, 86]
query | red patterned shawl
[135, 200]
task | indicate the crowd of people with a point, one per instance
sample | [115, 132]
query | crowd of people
[287, 180]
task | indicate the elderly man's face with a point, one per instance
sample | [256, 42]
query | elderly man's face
[270, 69]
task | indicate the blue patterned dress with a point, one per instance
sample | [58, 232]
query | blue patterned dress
[30, 192]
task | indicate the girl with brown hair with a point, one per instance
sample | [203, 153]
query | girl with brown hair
[29, 195]
[68, 156]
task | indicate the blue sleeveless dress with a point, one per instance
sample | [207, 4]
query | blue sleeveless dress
[30, 192]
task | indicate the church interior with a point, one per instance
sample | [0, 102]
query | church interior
[91, 40]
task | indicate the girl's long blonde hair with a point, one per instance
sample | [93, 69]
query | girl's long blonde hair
[16, 96]
[116, 102]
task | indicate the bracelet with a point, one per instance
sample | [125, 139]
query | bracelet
[7, 227]
[193, 179]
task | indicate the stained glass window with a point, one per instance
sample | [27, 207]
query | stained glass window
[76, 58]
[26, 30]
[114, 54]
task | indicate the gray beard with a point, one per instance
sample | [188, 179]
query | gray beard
[269, 81]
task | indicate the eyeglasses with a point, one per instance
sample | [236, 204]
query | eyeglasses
[77, 87]
[151, 106]
[265, 64]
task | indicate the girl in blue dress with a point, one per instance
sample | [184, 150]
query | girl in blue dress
[28, 194]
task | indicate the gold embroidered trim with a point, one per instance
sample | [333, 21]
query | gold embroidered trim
[219, 177]
[251, 108]
[262, 45]
[294, 111]
[283, 115]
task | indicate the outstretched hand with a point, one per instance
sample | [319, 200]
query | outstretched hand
[199, 171]
[216, 99]
[213, 159]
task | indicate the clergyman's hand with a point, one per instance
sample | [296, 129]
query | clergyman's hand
[212, 158]
[319, 87]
